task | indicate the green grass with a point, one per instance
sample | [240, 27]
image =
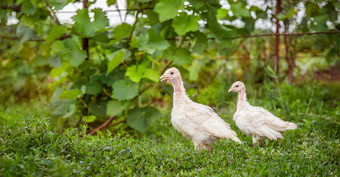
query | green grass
[31, 146]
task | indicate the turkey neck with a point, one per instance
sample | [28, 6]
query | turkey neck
[242, 96]
[179, 91]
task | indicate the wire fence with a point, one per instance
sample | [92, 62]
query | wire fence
[276, 34]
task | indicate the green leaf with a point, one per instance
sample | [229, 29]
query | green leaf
[100, 21]
[152, 41]
[55, 33]
[28, 21]
[151, 74]
[249, 23]
[110, 2]
[200, 43]
[55, 62]
[84, 25]
[24, 32]
[222, 14]
[56, 72]
[135, 73]
[70, 94]
[77, 55]
[270, 72]
[168, 9]
[125, 90]
[90, 118]
[239, 10]
[57, 4]
[27, 7]
[98, 108]
[69, 50]
[198, 4]
[61, 107]
[312, 9]
[140, 118]
[194, 71]
[116, 108]
[185, 23]
[122, 31]
[180, 56]
[116, 59]
[94, 86]
[134, 42]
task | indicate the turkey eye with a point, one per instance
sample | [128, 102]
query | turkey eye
[236, 85]
[172, 73]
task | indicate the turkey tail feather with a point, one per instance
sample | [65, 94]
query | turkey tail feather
[236, 139]
[291, 126]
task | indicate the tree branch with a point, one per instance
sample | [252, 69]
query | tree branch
[14, 8]
[102, 126]
[87, 107]
[52, 13]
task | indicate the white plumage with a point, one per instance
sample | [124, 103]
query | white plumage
[195, 121]
[255, 121]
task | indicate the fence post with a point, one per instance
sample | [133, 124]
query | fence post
[85, 41]
[277, 37]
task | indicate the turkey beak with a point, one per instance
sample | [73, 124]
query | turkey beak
[163, 78]
[231, 89]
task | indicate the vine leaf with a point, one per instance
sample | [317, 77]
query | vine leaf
[55, 33]
[239, 10]
[57, 4]
[140, 117]
[116, 108]
[83, 24]
[69, 50]
[200, 43]
[125, 90]
[136, 73]
[27, 7]
[152, 41]
[61, 107]
[168, 9]
[90, 118]
[185, 23]
[70, 94]
[94, 86]
[115, 60]
[122, 31]
[25, 33]
[110, 2]
[100, 21]
[180, 56]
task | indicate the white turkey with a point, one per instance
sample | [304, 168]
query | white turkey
[255, 121]
[195, 121]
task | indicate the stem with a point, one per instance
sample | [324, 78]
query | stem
[106, 93]
[52, 13]
[102, 126]
[134, 25]
[87, 107]
[281, 100]
[277, 36]
[120, 15]
[311, 98]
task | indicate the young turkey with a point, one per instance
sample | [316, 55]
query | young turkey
[255, 121]
[195, 121]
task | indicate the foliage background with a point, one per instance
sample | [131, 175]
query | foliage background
[88, 72]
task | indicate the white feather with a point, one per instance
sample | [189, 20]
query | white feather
[257, 122]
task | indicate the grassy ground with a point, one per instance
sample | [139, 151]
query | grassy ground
[30, 146]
